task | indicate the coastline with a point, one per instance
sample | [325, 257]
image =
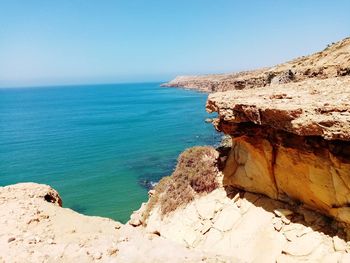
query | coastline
[276, 191]
[331, 62]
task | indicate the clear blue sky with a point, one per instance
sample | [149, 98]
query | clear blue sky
[89, 41]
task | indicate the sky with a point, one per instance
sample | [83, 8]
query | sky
[109, 41]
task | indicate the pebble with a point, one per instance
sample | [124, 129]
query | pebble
[285, 220]
[282, 212]
[339, 244]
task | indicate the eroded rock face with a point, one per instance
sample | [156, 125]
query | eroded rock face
[290, 142]
[320, 180]
[307, 108]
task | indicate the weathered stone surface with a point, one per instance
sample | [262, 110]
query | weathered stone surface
[57, 234]
[30, 191]
[318, 179]
[307, 108]
[249, 166]
[230, 234]
[136, 218]
[251, 232]
[339, 244]
[305, 245]
[227, 218]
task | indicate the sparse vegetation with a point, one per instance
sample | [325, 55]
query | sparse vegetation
[196, 172]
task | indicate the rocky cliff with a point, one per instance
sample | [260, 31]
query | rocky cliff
[291, 142]
[331, 62]
[277, 191]
[290, 158]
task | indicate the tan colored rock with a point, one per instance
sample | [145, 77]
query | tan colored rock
[286, 220]
[206, 210]
[283, 212]
[309, 108]
[304, 246]
[339, 244]
[250, 236]
[249, 166]
[227, 218]
[63, 235]
[136, 218]
[291, 168]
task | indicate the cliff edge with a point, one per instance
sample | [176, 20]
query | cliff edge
[35, 228]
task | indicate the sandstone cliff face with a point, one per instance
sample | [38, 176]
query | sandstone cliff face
[334, 61]
[290, 142]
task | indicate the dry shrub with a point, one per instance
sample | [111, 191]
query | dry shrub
[153, 200]
[196, 172]
[198, 167]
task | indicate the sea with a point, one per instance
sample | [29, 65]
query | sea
[102, 147]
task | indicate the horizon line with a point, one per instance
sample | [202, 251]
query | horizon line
[78, 84]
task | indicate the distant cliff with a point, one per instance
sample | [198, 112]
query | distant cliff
[331, 62]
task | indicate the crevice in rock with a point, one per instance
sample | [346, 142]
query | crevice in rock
[273, 162]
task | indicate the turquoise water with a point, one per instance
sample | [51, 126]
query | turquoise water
[100, 146]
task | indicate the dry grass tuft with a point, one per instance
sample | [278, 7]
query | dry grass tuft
[196, 172]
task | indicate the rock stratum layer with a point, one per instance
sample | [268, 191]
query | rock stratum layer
[334, 61]
[291, 142]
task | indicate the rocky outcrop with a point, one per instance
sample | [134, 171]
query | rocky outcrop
[246, 227]
[307, 108]
[35, 228]
[291, 142]
[334, 61]
[241, 226]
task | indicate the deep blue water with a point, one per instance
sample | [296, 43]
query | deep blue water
[98, 145]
